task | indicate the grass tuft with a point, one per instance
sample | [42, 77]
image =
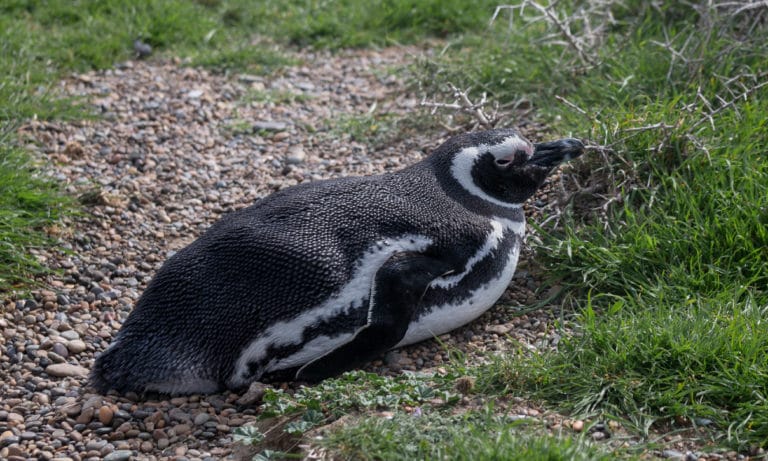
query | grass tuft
[29, 206]
[475, 435]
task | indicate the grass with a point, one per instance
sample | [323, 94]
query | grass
[404, 417]
[670, 283]
[29, 206]
[475, 435]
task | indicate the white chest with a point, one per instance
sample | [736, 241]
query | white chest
[449, 315]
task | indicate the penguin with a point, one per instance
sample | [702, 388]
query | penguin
[319, 278]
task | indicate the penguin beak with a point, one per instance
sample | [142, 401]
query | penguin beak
[551, 154]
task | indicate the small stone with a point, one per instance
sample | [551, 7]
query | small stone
[61, 350]
[296, 155]
[182, 429]
[95, 445]
[27, 435]
[105, 415]
[202, 418]
[672, 454]
[76, 346]
[281, 136]
[85, 416]
[62, 370]
[269, 126]
[15, 419]
[70, 335]
[498, 329]
[578, 425]
[162, 444]
[146, 447]
[195, 94]
[254, 394]
[119, 455]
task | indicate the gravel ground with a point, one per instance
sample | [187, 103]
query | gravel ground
[176, 148]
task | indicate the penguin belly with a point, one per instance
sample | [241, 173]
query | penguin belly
[457, 299]
[289, 344]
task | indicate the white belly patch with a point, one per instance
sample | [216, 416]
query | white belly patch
[446, 317]
[350, 296]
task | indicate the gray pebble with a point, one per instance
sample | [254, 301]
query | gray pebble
[95, 444]
[69, 335]
[61, 350]
[269, 126]
[296, 155]
[10, 440]
[119, 455]
[202, 418]
[672, 454]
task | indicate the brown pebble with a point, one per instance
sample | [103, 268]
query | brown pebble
[86, 416]
[105, 415]
[578, 425]
[182, 429]
[146, 447]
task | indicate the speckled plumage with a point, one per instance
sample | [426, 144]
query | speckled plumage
[284, 287]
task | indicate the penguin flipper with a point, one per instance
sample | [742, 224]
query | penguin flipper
[397, 289]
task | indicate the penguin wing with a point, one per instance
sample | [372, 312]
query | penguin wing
[396, 291]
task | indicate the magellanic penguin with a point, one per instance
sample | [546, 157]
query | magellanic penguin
[319, 278]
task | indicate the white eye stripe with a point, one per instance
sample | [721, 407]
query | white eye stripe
[461, 168]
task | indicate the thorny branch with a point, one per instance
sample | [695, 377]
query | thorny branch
[584, 44]
[462, 103]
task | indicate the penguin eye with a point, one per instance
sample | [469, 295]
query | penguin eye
[502, 162]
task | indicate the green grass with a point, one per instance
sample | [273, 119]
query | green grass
[475, 435]
[670, 284]
[421, 424]
[28, 205]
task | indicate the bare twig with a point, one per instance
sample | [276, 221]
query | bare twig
[462, 103]
[584, 45]
[730, 104]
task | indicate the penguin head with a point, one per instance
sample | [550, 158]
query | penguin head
[501, 166]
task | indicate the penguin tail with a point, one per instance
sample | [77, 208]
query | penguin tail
[112, 370]
[126, 366]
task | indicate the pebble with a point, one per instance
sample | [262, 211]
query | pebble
[70, 335]
[254, 394]
[62, 370]
[76, 346]
[296, 155]
[61, 350]
[119, 455]
[202, 418]
[269, 126]
[105, 415]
